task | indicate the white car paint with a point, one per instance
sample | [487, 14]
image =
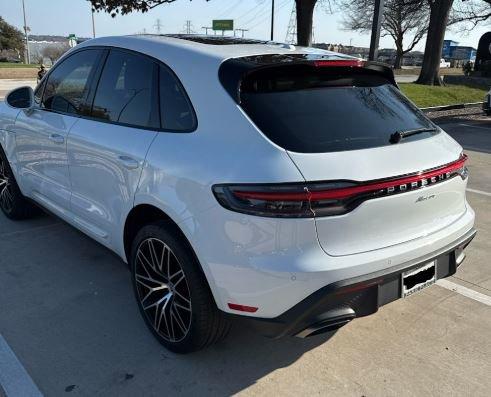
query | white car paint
[101, 171]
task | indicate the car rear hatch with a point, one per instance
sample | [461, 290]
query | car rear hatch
[377, 171]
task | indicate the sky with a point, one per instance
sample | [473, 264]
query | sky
[64, 17]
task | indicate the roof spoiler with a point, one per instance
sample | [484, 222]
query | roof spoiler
[234, 70]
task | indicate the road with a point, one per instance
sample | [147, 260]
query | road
[9, 84]
[69, 317]
[410, 78]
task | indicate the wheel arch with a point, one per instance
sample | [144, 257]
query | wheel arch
[144, 214]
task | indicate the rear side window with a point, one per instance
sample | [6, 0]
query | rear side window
[127, 92]
[176, 111]
[310, 110]
[68, 84]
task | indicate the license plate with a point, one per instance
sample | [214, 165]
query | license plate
[416, 279]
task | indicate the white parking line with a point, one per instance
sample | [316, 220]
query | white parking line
[479, 192]
[474, 126]
[14, 379]
[469, 293]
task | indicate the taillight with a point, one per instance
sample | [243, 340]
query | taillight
[289, 200]
[306, 200]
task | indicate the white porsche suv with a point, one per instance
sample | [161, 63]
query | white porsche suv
[290, 188]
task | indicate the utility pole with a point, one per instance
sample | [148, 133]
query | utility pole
[206, 29]
[291, 32]
[93, 23]
[378, 15]
[26, 29]
[188, 27]
[272, 20]
[158, 25]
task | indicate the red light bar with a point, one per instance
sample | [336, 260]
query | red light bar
[371, 187]
[242, 308]
[357, 63]
[352, 190]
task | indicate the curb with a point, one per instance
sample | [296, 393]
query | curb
[452, 107]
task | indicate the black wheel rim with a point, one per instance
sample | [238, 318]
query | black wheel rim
[6, 192]
[162, 290]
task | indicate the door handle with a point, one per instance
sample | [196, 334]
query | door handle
[128, 162]
[57, 138]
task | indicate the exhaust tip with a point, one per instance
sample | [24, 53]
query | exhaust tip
[334, 320]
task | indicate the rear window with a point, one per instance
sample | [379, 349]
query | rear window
[313, 110]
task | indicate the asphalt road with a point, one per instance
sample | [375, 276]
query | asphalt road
[69, 317]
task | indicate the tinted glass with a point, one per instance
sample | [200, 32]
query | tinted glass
[175, 109]
[128, 91]
[68, 85]
[330, 112]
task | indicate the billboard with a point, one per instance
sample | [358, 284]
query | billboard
[223, 24]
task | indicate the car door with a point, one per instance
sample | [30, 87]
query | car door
[106, 151]
[41, 134]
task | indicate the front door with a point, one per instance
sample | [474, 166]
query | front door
[41, 134]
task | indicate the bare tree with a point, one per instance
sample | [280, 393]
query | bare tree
[53, 53]
[402, 18]
[471, 12]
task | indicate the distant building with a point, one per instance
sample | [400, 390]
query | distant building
[453, 52]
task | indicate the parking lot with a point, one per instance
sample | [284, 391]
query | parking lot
[69, 319]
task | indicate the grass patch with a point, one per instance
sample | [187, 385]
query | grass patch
[427, 96]
[5, 65]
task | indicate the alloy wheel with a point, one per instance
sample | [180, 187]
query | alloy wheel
[6, 192]
[163, 290]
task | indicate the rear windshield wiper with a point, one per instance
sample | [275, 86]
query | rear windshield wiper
[397, 136]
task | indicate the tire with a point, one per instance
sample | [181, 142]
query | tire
[182, 313]
[12, 203]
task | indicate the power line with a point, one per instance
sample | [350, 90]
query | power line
[261, 11]
[229, 10]
[266, 17]
[252, 9]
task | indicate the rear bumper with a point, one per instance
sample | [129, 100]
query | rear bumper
[338, 303]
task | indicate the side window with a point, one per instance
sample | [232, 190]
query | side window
[127, 91]
[68, 84]
[176, 111]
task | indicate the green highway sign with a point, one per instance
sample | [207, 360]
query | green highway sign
[223, 24]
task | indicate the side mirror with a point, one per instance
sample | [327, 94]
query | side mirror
[21, 98]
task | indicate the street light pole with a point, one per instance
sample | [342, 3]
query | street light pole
[272, 20]
[378, 15]
[93, 22]
[28, 58]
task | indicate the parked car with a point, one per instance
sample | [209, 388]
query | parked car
[444, 64]
[487, 104]
[288, 188]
